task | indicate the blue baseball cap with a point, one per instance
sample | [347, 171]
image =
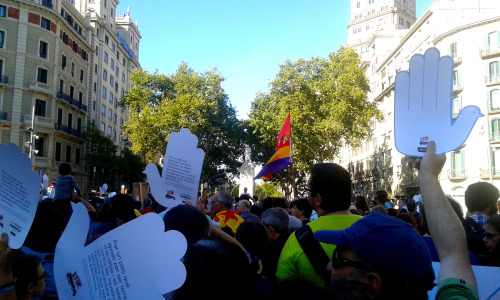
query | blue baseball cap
[389, 244]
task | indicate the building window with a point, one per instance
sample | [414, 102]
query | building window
[121, 121]
[2, 39]
[110, 97]
[81, 76]
[39, 143]
[95, 87]
[123, 76]
[115, 118]
[113, 47]
[358, 5]
[117, 55]
[457, 164]
[109, 131]
[103, 127]
[40, 107]
[68, 153]
[63, 62]
[45, 23]
[495, 129]
[408, 24]
[42, 75]
[456, 78]
[114, 134]
[104, 92]
[105, 75]
[110, 114]
[111, 80]
[457, 105]
[105, 57]
[117, 71]
[401, 21]
[43, 50]
[72, 69]
[494, 100]
[103, 109]
[112, 64]
[80, 97]
[3, 11]
[58, 152]
[106, 39]
[452, 50]
[77, 156]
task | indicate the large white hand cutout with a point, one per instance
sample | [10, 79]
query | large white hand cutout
[181, 171]
[137, 260]
[19, 193]
[423, 107]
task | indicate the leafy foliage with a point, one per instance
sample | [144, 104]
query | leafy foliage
[161, 104]
[103, 154]
[327, 102]
[267, 189]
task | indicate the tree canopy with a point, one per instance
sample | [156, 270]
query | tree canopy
[162, 104]
[328, 105]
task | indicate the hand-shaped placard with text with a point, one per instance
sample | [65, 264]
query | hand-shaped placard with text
[137, 260]
[423, 107]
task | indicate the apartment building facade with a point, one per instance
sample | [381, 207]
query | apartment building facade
[48, 59]
[469, 32]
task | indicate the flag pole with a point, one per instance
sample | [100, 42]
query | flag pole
[291, 158]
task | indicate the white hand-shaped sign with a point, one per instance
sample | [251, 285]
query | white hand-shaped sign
[19, 193]
[181, 171]
[423, 107]
[137, 260]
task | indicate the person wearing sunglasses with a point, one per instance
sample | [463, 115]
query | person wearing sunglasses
[392, 259]
[492, 238]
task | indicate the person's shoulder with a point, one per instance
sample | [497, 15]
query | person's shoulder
[333, 222]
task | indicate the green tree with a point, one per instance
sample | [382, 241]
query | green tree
[107, 164]
[162, 104]
[327, 101]
[267, 189]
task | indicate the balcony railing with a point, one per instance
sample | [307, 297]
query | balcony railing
[456, 58]
[492, 79]
[39, 121]
[4, 79]
[486, 173]
[489, 50]
[457, 86]
[495, 136]
[3, 115]
[40, 87]
[493, 107]
[71, 101]
[457, 173]
[41, 161]
[69, 130]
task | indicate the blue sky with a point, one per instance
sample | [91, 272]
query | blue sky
[245, 40]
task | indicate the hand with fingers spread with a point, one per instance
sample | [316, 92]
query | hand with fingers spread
[423, 107]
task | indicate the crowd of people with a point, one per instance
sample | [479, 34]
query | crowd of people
[326, 246]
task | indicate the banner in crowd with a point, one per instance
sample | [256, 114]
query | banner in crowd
[137, 260]
[19, 194]
[423, 107]
[181, 171]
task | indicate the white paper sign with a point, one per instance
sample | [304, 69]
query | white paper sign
[423, 107]
[137, 260]
[181, 171]
[487, 279]
[19, 193]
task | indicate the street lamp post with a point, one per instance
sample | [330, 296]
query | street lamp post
[31, 130]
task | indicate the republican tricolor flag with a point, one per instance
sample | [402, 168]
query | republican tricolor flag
[282, 158]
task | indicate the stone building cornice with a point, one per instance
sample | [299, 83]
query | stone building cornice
[442, 36]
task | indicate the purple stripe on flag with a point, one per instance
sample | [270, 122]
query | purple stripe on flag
[274, 166]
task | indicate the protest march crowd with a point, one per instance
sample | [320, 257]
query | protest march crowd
[351, 248]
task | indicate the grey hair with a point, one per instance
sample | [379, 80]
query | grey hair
[277, 218]
[245, 203]
[226, 199]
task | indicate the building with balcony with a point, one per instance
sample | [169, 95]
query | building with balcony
[468, 32]
[50, 63]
